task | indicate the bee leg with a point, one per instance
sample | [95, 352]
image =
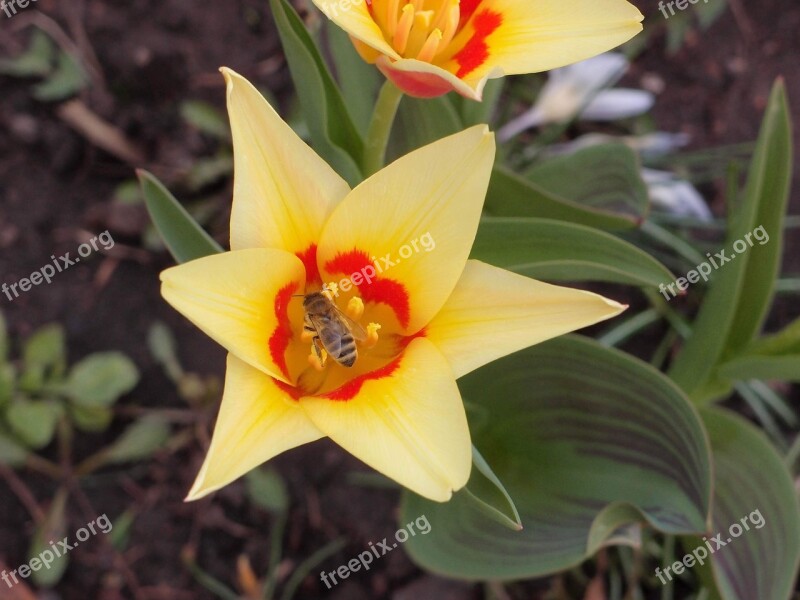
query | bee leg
[315, 344]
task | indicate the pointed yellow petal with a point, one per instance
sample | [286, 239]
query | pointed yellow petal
[283, 192]
[257, 420]
[240, 299]
[414, 222]
[494, 312]
[406, 421]
[541, 36]
[356, 20]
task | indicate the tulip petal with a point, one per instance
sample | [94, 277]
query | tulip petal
[283, 192]
[356, 20]
[406, 420]
[621, 103]
[414, 223]
[257, 421]
[424, 80]
[241, 299]
[493, 312]
[541, 35]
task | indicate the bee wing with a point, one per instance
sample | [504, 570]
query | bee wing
[356, 330]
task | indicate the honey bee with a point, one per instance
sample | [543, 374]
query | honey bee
[335, 331]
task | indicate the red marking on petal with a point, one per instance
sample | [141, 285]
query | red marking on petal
[279, 340]
[380, 289]
[416, 84]
[476, 51]
[351, 389]
[309, 259]
[468, 8]
[293, 392]
[406, 340]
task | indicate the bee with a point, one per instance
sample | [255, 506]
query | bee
[335, 331]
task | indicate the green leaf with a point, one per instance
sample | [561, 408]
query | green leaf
[139, 441]
[68, 79]
[586, 440]
[475, 113]
[737, 303]
[750, 482]
[422, 121]
[52, 529]
[164, 349]
[91, 419]
[604, 177]
[8, 379]
[511, 195]
[782, 368]
[489, 494]
[358, 80]
[100, 379]
[5, 340]
[267, 489]
[33, 422]
[46, 349]
[333, 133]
[185, 239]
[11, 453]
[562, 251]
[206, 118]
[37, 60]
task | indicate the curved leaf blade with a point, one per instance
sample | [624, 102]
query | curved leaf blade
[185, 239]
[560, 251]
[569, 427]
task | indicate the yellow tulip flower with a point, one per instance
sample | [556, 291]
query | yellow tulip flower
[397, 245]
[430, 47]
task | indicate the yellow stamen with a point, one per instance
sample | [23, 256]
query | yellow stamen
[418, 4]
[443, 13]
[430, 47]
[450, 27]
[307, 336]
[391, 17]
[403, 29]
[355, 308]
[372, 335]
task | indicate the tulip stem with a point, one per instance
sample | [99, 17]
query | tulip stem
[380, 128]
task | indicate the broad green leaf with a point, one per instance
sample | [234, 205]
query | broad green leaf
[206, 118]
[100, 379]
[785, 342]
[586, 440]
[33, 422]
[164, 349]
[11, 453]
[91, 419]
[37, 60]
[68, 79]
[52, 529]
[358, 80]
[185, 239]
[422, 121]
[750, 482]
[489, 494]
[604, 177]
[46, 348]
[139, 441]
[8, 379]
[333, 133]
[562, 251]
[475, 113]
[267, 489]
[511, 195]
[737, 303]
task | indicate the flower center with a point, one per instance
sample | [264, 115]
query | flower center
[420, 29]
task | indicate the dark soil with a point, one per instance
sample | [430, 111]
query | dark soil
[55, 186]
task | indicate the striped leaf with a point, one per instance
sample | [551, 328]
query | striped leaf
[587, 441]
